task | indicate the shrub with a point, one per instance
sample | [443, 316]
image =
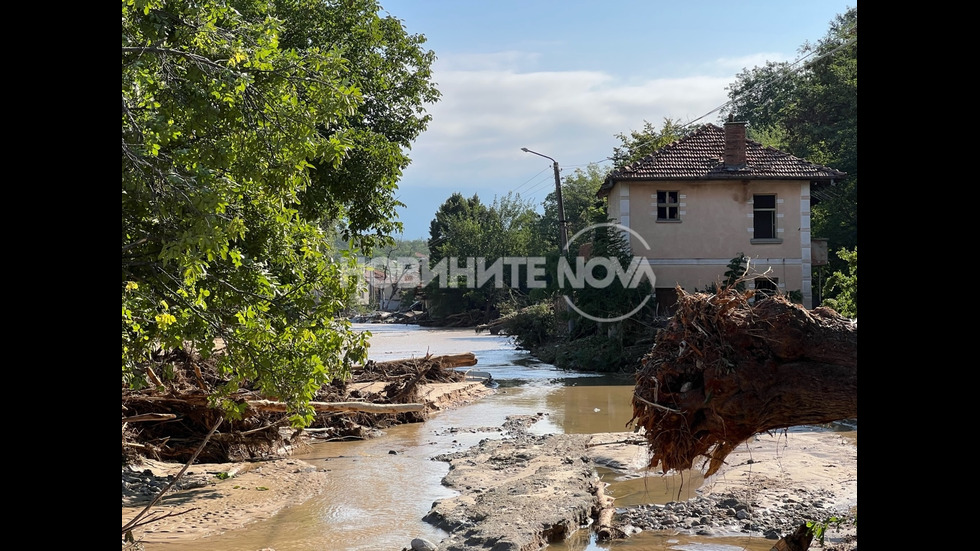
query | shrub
[844, 285]
[531, 326]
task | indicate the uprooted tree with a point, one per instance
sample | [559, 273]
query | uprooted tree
[726, 368]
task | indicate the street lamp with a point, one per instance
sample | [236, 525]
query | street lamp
[562, 230]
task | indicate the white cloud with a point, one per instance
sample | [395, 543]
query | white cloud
[506, 60]
[490, 114]
[495, 106]
[735, 65]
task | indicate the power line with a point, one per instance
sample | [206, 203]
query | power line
[540, 185]
[531, 178]
[794, 67]
[789, 71]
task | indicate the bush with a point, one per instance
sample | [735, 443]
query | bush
[844, 285]
[531, 326]
[594, 353]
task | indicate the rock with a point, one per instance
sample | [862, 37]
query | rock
[421, 544]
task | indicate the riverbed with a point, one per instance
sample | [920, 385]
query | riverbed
[378, 490]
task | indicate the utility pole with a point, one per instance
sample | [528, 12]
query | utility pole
[562, 229]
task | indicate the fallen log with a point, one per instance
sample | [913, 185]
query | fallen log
[604, 514]
[320, 407]
[493, 326]
[446, 361]
[725, 369]
[174, 414]
[149, 417]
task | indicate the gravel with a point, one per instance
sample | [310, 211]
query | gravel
[728, 514]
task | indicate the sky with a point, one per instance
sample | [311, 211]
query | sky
[564, 78]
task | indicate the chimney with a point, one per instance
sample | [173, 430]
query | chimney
[734, 142]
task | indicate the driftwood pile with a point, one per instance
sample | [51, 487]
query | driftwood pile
[169, 420]
[726, 368]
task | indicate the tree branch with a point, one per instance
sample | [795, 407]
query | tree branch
[135, 520]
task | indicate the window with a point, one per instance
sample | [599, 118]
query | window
[766, 287]
[764, 216]
[668, 207]
[665, 301]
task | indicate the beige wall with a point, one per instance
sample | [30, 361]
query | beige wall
[715, 225]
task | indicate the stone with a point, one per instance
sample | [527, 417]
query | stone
[421, 544]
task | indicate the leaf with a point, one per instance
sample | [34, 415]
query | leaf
[243, 139]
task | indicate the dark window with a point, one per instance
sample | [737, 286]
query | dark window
[766, 287]
[666, 301]
[668, 208]
[764, 216]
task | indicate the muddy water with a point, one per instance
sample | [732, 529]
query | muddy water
[381, 488]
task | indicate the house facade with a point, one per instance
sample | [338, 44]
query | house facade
[694, 205]
[383, 287]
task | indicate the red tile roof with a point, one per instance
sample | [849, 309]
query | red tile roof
[700, 156]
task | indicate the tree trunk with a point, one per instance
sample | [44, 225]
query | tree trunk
[320, 407]
[725, 369]
[799, 540]
[605, 510]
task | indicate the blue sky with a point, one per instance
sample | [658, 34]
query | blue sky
[563, 78]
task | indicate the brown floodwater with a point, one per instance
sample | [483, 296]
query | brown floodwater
[380, 489]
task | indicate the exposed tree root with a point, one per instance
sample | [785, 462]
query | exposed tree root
[725, 369]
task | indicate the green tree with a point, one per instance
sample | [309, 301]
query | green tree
[812, 106]
[580, 204]
[613, 300]
[467, 228]
[455, 208]
[845, 284]
[733, 275]
[640, 143]
[226, 131]
[392, 71]
[810, 110]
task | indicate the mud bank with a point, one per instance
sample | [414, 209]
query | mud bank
[519, 493]
[524, 491]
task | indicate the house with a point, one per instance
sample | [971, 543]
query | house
[702, 200]
[383, 283]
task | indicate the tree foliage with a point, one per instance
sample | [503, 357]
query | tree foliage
[737, 267]
[810, 111]
[581, 206]
[467, 228]
[455, 208]
[615, 299]
[844, 284]
[392, 71]
[241, 122]
[640, 143]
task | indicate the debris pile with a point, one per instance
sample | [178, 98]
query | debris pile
[168, 420]
[728, 367]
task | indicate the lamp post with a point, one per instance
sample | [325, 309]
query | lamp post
[562, 230]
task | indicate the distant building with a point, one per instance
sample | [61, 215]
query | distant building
[713, 194]
[383, 286]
